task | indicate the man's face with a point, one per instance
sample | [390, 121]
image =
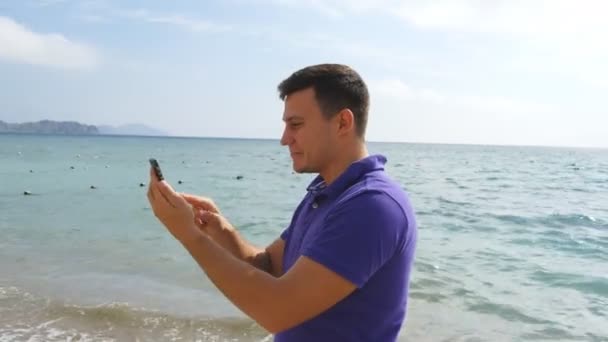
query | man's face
[310, 137]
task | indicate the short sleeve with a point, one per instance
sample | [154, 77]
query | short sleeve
[359, 236]
[286, 233]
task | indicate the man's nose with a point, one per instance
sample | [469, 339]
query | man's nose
[285, 138]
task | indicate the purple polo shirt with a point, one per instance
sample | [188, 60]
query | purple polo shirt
[362, 227]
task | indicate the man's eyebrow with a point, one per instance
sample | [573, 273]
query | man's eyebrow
[293, 118]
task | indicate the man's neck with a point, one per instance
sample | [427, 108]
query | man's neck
[342, 161]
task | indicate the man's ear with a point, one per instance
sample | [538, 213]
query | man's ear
[346, 121]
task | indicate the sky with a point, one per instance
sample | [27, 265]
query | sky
[512, 72]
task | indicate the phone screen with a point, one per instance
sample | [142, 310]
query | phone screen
[156, 168]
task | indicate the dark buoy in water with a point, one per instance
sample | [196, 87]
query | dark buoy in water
[27, 193]
[71, 167]
[31, 171]
[239, 177]
[179, 182]
[93, 187]
[141, 184]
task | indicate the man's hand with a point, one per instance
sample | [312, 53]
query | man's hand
[208, 218]
[275, 300]
[172, 210]
[200, 202]
[214, 225]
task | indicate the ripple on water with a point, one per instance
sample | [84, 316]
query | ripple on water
[585, 284]
[506, 312]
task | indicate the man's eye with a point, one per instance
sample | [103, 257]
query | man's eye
[296, 124]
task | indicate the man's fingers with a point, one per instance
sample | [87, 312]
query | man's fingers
[169, 194]
[196, 200]
[205, 216]
[158, 194]
[151, 184]
[199, 201]
[150, 194]
[153, 177]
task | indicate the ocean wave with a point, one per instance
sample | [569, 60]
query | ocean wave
[550, 333]
[455, 216]
[429, 297]
[576, 220]
[427, 283]
[506, 312]
[443, 200]
[28, 318]
[577, 245]
[554, 220]
[425, 267]
[582, 283]
[513, 219]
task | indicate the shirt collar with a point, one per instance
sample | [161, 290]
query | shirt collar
[356, 170]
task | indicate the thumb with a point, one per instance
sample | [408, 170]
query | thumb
[199, 201]
[205, 216]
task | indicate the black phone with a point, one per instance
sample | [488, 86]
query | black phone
[156, 168]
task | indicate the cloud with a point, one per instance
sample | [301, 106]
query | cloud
[93, 18]
[20, 45]
[556, 20]
[529, 17]
[46, 3]
[566, 37]
[401, 112]
[557, 36]
[397, 90]
[328, 8]
[333, 8]
[191, 24]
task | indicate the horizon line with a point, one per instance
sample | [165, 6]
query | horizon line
[171, 136]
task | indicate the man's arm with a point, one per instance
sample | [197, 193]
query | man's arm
[276, 304]
[269, 260]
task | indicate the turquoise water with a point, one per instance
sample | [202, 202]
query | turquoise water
[513, 240]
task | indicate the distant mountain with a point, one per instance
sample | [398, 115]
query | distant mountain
[48, 127]
[130, 129]
[76, 128]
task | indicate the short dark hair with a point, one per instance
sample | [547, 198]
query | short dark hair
[336, 87]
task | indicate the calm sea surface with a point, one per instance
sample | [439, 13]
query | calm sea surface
[513, 241]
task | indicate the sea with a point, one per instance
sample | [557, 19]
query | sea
[513, 241]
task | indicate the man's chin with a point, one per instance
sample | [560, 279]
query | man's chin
[297, 168]
[302, 169]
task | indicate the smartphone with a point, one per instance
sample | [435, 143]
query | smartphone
[156, 168]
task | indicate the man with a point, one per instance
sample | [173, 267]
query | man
[341, 270]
